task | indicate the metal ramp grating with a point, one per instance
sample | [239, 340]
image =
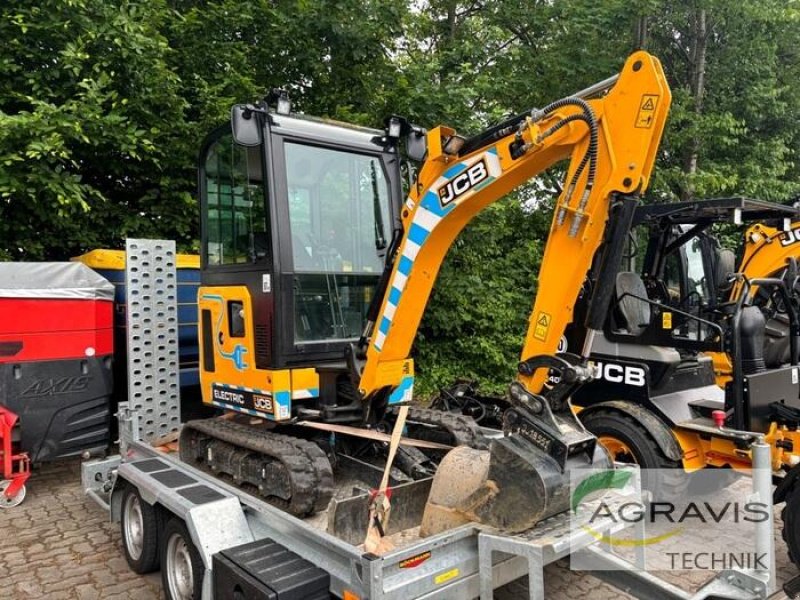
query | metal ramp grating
[152, 330]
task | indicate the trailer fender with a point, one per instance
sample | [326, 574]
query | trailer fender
[648, 419]
[115, 503]
[120, 484]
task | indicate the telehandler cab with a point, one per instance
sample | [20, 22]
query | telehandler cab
[315, 275]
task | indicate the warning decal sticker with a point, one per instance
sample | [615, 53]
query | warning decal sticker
[647, 110]
[542, 326]
[414, 561]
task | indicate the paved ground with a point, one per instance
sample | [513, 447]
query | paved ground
[59, 545]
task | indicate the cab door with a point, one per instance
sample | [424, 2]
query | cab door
[235, 298]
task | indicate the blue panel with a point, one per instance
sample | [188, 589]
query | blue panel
[384, 328]
[455, 170]
[394, 296]
[188, 276]
[405, 265]
[187, 336]
[187, 313]
[187, 293]
[397, 395]
[119, 293]
[430, 201]
[417, 234]
[189, 376]
[188, 344]
[113, 275]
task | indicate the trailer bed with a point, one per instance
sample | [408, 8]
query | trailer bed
[220, 515]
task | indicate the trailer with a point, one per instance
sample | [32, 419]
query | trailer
[208, 534]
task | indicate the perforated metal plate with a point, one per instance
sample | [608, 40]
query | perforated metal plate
[152, 318]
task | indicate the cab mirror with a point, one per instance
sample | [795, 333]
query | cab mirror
[416, 144]
[246, 125]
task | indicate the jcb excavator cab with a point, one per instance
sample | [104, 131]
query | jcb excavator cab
[296, 219]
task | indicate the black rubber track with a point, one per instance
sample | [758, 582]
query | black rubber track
[444, 427]
[305, 464]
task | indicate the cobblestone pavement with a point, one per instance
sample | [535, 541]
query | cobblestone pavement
[59, 545]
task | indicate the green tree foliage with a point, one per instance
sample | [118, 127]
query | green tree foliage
[478, 312]
[91, 128]
[734, 127]
[103, 106]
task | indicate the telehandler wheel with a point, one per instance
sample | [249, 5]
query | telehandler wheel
[182, 567]
[139, 527]
[791, 524]
[628, 441]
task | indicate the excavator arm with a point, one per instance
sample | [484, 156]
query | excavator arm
[611, 142]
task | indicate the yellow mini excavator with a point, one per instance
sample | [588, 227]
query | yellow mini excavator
[316, 273]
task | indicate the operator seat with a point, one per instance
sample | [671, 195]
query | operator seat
[725, 266]
[633, 311]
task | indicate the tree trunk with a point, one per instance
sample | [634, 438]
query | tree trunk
[697, 84]
[452, 20]
[641, 32]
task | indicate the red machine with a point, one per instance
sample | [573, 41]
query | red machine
[56, 347]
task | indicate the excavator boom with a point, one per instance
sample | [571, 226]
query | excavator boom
[611, 142]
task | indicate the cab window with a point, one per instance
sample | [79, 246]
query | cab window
[339, 220]
[235, 204]
[696, 272]
[338, 210]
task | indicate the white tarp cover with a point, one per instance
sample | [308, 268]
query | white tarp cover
[70, 280]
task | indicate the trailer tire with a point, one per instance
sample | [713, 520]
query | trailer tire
[182, 568]
[139, 529]
[790, 515]
[627, 440]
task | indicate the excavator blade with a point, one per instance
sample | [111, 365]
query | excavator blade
[511, 487]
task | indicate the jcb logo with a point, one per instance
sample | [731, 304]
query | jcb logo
[53, 387]
[262, 403]
[790, 237]
[463, 183]
[625, 374]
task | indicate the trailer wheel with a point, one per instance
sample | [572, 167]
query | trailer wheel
[139, 527]
[791, 525]
[628, 441]
[182, 567]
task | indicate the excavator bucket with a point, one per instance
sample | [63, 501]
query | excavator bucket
[512, 486]
[524, 477]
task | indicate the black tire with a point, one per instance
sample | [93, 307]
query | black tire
[139, 529]
[791, 525]
[642, 447]
[178, 553]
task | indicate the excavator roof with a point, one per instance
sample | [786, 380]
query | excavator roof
[330, 131]
[715, 210]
